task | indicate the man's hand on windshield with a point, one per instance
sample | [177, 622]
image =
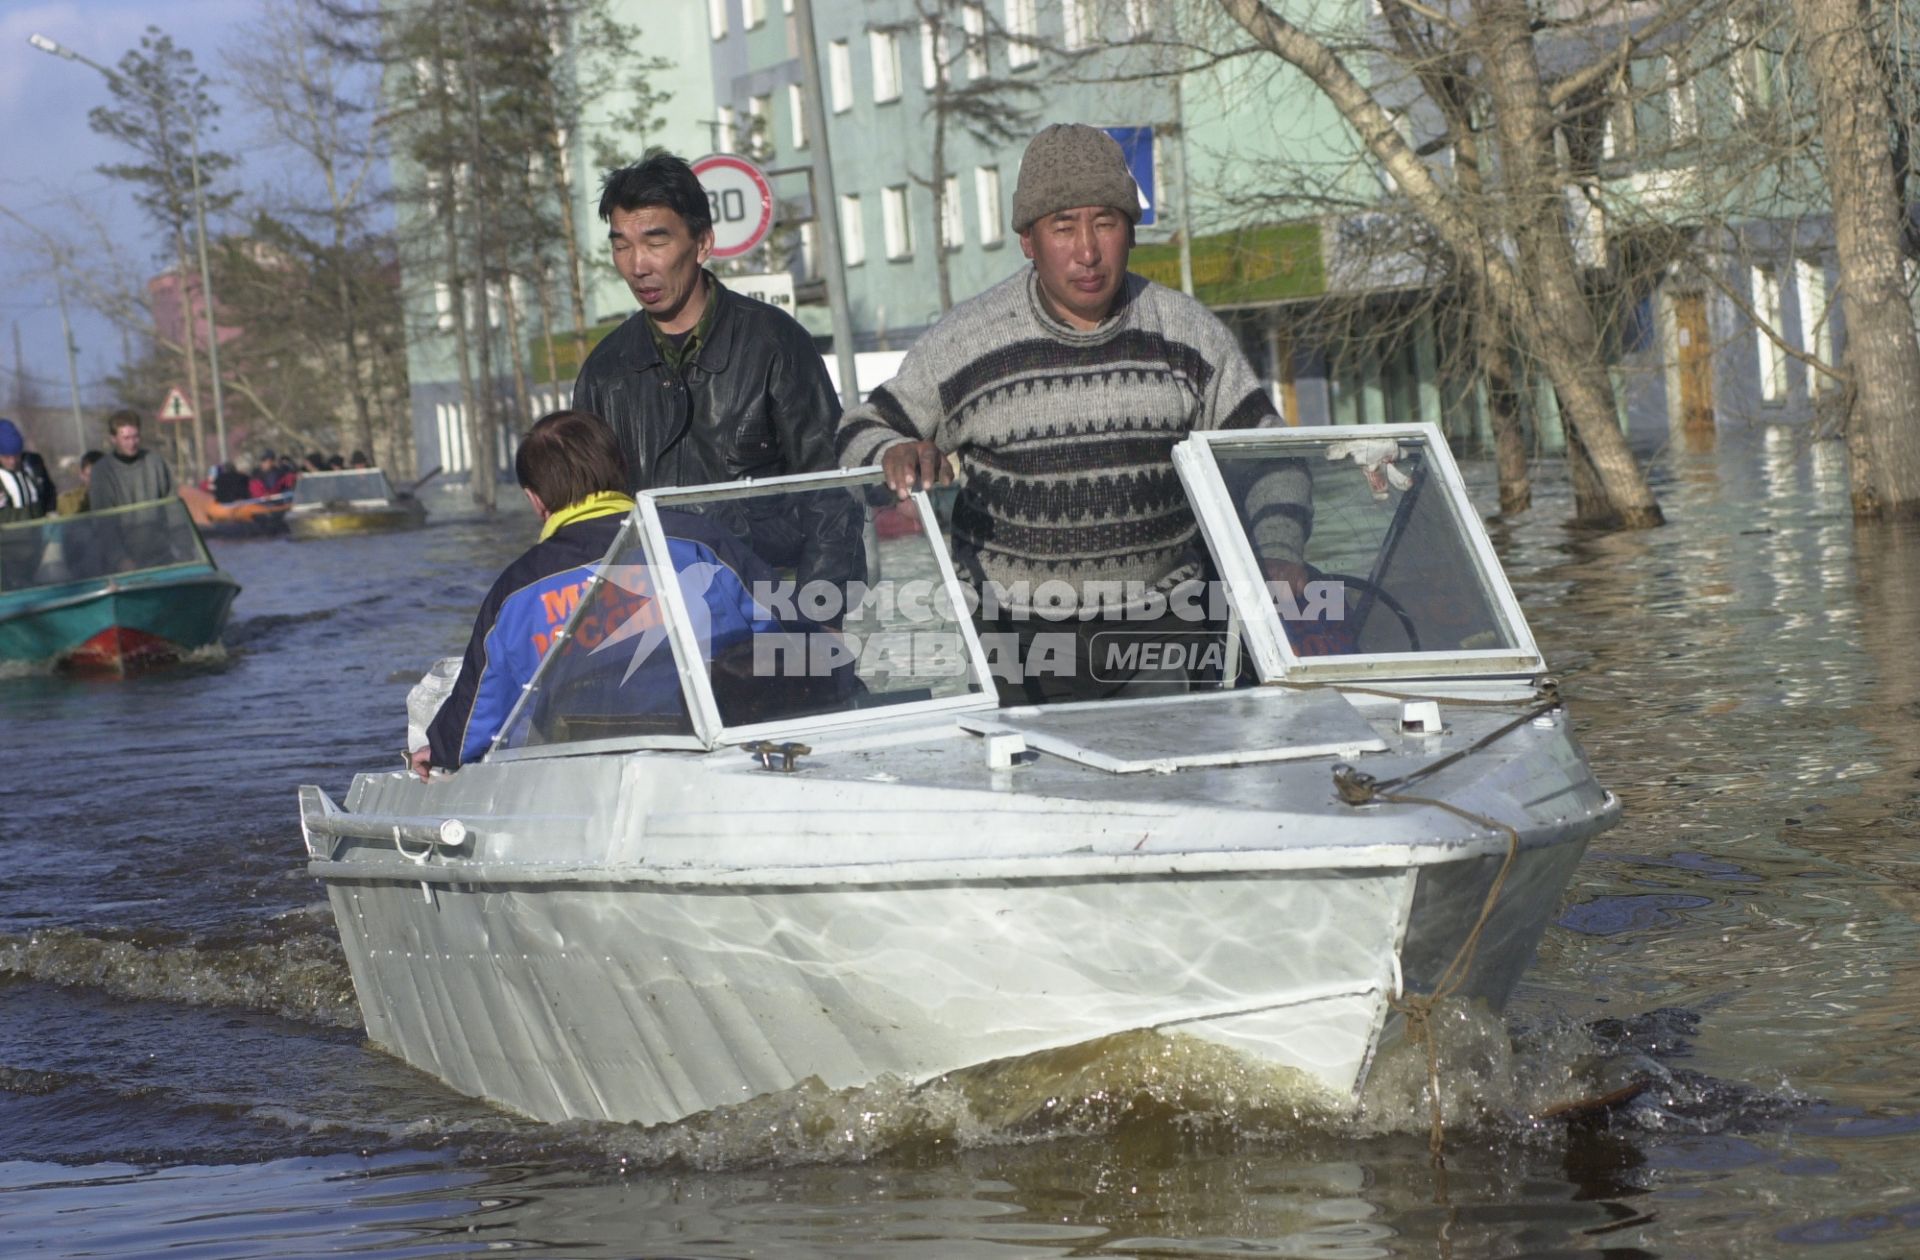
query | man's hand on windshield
[911, 466]
[420, 761]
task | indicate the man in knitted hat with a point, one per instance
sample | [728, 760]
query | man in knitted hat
[1061, 392]
[26, 491]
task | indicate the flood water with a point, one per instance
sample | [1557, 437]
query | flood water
[182, 1070]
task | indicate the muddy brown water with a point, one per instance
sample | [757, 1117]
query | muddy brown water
[182, 1069]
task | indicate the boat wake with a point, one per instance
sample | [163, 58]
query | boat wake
[302, 977]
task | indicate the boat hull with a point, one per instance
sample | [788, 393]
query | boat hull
[332, 523]
[706, 932]
[646, 1004]
[118, 624]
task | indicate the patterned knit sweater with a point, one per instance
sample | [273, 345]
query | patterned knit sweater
[1064, 439]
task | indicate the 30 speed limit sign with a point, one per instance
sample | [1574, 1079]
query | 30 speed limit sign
[741, 199]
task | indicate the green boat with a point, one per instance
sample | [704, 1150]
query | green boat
[115, 590]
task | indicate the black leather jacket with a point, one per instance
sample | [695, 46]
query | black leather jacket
[753, 400]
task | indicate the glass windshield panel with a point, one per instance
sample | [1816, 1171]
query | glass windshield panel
[850, 607]
[1363, 548]
[342, 487]
[609, 673]
[93, 545]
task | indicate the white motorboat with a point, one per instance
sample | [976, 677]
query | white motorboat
[675, 883]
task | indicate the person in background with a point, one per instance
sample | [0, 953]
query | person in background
[575, 479]
[270, 476]
[73, 501]
[26, 488]
[232, 484]
[129, 473]
[359, 460]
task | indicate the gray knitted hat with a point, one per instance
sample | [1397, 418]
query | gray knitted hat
[1070, 165]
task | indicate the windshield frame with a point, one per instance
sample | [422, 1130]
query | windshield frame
[697, 687]
[709, 731]
[342, 474]
[1256, 621]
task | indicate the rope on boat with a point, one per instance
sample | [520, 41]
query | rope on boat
[1358, 788]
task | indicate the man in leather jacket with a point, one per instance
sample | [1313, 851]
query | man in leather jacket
[704, 385]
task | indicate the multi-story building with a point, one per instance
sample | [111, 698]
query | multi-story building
[1260, 202]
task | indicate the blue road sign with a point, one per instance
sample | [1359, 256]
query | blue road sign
[1137, 144]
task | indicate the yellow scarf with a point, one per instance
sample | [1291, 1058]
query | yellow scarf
[599, 503]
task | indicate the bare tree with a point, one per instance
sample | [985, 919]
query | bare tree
[161, 99]
[1849, 67]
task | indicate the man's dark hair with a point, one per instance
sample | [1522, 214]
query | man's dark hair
[659, 178]
[568, 455]
[126, 415]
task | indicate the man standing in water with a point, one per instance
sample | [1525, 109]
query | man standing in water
[129, 473]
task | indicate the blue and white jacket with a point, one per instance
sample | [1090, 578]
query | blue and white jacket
[534, 596]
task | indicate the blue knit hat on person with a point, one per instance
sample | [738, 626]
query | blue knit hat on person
[11, 443]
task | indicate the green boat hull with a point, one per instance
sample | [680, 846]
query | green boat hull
[119, 622]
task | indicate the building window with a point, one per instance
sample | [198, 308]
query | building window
[797, 115]
[1766, 307]
[729, 133]
[973, 20]
[1078, 18]
[986, 201]
[1816, 331]
[953, 228]
[756, 13]
[885, 47]
[1139, 18]
[1683, 111]
[1756, 70]
[759, 140]
[895, 221]
[1022, 28]
[809, 250]
[933, 54]
[1616, 135]
[786, 6]
[840, 75]
[717, 18]
[853, 231]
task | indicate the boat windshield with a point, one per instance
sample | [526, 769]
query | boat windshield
[360, 485]
[1354, 550]
[812, 600]
[89, 546]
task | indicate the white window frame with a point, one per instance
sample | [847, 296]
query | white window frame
[853, 231]
[884, 49]
[796, 116]
[755, 13]
[986, 201]
[953, 224]
[934, 52]
[973, 21]
[1816, 325]
[729, 130]
[717, 18]
[1773, 360]
[1023, 26]
[896, 221]
[1139, 18]
[1683, 107]
[1077, 22]
[810, 250]
[840, 76]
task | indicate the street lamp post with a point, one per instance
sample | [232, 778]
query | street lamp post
[46, 45]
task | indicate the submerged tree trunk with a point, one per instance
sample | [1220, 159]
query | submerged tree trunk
[1546, 309]
[1882, 357]
[1561, 325]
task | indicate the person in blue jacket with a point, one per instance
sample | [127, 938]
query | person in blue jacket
[575, 478]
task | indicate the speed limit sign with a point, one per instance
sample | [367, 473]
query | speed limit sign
[741, 200]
